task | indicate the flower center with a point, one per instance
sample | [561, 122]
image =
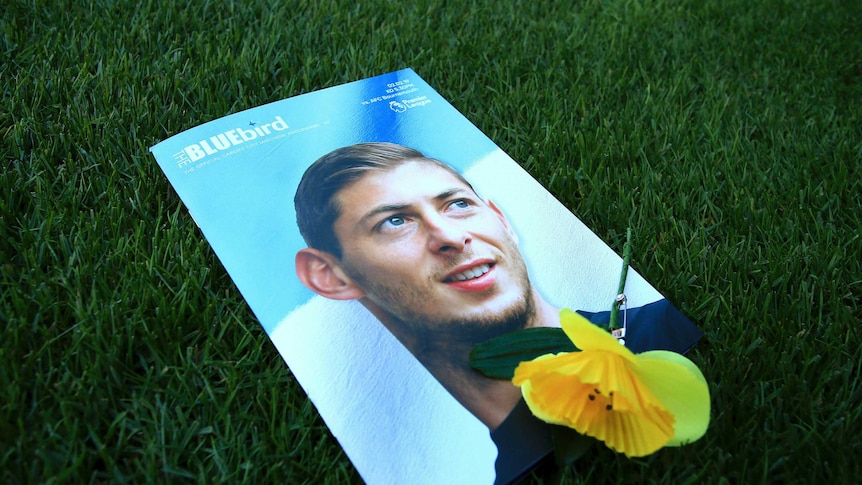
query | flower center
[607, 400]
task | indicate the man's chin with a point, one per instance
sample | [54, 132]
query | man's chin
[494, 326]
[476, 328]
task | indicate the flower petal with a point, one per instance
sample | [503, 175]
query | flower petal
[682, 389]
[597, 394]
[588, 336]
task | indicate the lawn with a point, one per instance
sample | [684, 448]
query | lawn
[726, 134]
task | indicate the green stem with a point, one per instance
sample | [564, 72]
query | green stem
[627, 256]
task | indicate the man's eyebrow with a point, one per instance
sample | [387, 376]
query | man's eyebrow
[449, 193]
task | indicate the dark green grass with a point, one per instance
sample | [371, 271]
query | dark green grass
[728, 135]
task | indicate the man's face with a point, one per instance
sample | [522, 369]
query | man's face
[427, 250]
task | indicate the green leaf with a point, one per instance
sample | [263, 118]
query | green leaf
[497, 358]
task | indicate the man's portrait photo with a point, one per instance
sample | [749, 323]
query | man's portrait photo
[438, 265]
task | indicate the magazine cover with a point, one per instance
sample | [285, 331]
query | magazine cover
[378, 235]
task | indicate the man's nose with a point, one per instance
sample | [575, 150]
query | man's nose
[446, 236]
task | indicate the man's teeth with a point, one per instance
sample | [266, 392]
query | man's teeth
[472, 273]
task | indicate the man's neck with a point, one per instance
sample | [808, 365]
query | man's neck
[490, 400]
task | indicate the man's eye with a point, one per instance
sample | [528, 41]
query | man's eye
[392, 223]
[395, 221]
[460, 204]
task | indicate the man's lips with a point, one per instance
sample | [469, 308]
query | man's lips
[474, 277]
[469, 270]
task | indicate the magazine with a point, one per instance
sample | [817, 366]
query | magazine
[375, 233]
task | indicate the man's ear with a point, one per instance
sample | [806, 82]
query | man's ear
[502, 217]
[320, 272]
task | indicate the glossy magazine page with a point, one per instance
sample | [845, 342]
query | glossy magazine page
[416, 259]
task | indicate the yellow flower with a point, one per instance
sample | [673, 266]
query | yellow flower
[635, 404]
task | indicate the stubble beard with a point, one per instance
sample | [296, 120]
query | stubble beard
[432, 334]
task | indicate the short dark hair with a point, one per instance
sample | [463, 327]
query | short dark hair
[315, 202]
